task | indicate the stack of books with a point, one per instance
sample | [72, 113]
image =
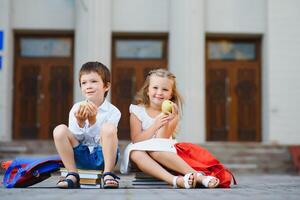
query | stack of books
[88, 178]
[143, 180]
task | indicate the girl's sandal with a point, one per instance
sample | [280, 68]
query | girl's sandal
[186, 180]
[70, 183]
[207, 179]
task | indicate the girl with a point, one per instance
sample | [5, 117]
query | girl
[152, 131]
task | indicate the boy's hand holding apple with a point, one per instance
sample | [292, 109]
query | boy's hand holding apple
[92, 110]
[81, 114]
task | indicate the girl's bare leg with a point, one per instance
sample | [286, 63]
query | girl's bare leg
[172, 161]
[151, 167]
[176, 163]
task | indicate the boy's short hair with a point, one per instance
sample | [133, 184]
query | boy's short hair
[98, 68]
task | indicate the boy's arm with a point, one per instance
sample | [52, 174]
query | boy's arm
[74, 125]
[113, 118]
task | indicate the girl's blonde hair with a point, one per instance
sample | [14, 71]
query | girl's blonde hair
[142, 96]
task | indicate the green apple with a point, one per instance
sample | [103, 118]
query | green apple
[166, 106]
[84, 103]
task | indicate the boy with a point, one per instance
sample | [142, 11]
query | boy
[90, 141]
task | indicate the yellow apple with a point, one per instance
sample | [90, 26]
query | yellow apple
[166, 106]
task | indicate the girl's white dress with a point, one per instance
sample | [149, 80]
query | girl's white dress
[154, 144]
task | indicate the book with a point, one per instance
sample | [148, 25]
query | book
[151, 186]
[90, 181]
[83, 173]
[87, 186]
[148, 182]
[142, 175]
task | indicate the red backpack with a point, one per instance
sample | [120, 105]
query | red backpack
[201, 159]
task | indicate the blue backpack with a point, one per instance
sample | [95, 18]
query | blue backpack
[23, 172]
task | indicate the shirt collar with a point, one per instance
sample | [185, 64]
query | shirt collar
[104, 106]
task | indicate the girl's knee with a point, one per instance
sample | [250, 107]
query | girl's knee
[137, 155]
[60, 131]
[155, 154]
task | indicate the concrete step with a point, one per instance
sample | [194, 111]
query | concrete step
[253, 157]
[238, 157]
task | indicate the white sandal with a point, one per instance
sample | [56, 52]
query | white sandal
[175, 181]
[207, 179]
[186, 179]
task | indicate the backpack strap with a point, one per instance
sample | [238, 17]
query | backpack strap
[10, 178]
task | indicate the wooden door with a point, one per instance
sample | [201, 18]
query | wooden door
[43, 92]
[233, 104]
[130, 69]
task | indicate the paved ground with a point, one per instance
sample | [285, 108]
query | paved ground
[249, 187]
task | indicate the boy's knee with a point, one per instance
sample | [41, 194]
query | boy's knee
[59, 131]
[108, 130]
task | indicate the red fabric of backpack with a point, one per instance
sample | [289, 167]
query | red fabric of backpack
[201, 159]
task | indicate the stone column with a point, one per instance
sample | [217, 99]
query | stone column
[187, 62]
[6, 72]
[92, 35]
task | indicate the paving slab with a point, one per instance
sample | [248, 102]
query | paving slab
[249, 186]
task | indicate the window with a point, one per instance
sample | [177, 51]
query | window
[46, 47]
[230, 50]
[139, 49]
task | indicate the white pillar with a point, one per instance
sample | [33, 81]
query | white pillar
[281, 86]
[6, 72]
[187, 62]
[92, 36]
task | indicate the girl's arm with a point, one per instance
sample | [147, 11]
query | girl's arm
[136, 133]
[169, 128]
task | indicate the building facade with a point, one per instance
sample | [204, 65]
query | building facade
[235, 61]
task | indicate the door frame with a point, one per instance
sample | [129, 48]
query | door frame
[17, 57]
[243, 38]
[129, 61]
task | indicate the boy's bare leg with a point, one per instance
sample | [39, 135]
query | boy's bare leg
[109, 143]
[174, 162]
[64, 142]
[151, 167]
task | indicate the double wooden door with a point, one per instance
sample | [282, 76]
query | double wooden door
[129, 73]
[233, 104]
[43, 95]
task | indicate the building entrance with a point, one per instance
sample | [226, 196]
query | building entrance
[133, 58]
[233, 90]
[43, 84]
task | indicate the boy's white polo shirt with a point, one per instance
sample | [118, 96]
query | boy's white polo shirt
[90, 135]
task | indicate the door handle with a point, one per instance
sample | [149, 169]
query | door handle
[41, 97]
[227, 106]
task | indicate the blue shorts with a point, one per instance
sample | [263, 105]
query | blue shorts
[94, 160]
